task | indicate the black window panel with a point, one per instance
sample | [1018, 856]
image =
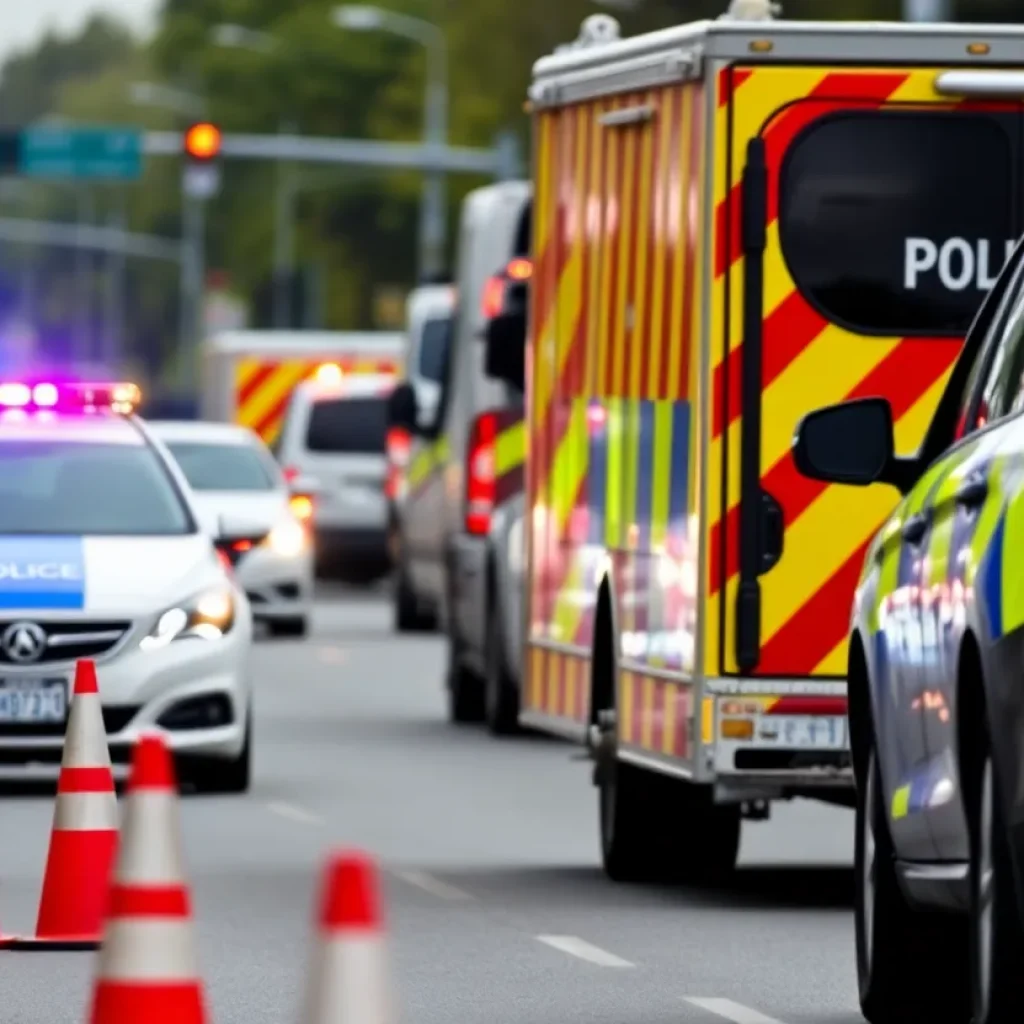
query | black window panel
[897, 222]
[434, 342]
[523, 235]
[348, 426]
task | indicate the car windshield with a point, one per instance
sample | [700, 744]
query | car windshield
[348, 426]
[222, 467]
[74, 488]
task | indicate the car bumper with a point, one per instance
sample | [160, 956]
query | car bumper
[206, 682]
[277, 587]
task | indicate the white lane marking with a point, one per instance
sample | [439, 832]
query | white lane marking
[432, 885]
[583, 950]
[736, 1012]
[295, 813]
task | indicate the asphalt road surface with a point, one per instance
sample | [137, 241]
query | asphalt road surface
[498, 911]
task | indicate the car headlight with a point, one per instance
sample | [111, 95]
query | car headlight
[287, 539]
[206, 616]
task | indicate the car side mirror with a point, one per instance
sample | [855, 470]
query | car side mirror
[505, 355]
[239, 531]
[402, 407]
[848, 443]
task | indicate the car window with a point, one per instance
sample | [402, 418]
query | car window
[434, 342]
[81, 488]
[222, 467]
[896, 223]
[348, 425]
[1004, 383]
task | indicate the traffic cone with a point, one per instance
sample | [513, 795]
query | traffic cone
[348, 983]
[84, 836]
[147, 969]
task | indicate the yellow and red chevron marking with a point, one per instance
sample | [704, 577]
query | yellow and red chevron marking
[558, 685]
[617, 238]
[263, 386]
[808, 362]
[509, 454]
[654, 714]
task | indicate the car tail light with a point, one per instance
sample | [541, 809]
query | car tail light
[301, 506]
[290, 473]
[480, 478]
[493, 301]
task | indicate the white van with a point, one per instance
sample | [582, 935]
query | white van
[334, 440]
[428, 317]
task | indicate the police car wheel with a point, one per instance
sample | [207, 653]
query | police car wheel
[910, 965]
[217, 775]
[996, 941]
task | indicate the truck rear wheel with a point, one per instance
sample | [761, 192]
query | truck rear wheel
[658, 829]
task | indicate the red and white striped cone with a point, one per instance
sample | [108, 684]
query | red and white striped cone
[348, 983]
[84, 837]
[148, 970]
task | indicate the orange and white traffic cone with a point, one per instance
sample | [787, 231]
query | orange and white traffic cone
[348, 983]
[147, 969]
[84, 837]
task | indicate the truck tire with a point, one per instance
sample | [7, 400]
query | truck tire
[910, 965]
[659, 829]
[465, 688]
[501, 692]
[408, 616]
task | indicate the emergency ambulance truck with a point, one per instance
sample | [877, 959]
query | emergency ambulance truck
[736, 222]
[249, 376]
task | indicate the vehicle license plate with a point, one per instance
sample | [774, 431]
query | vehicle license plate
[33, 700]
[805, 732]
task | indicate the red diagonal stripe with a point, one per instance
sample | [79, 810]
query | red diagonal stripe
[905, 374]
[258, 379]
[788, 330]
[273, 414]
[819, 625]
[729, 80]
[841, 88]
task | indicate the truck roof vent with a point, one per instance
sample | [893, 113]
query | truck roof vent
[596, 30]
[751, 10]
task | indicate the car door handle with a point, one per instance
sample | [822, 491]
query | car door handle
[973, 492]
[914, 527]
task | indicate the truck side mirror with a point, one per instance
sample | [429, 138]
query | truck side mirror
[848, 443]
[505, 355]
[402, 410]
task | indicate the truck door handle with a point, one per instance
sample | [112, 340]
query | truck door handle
[973, 492]
[914, 527]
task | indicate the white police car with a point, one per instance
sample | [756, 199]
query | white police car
[103, 555]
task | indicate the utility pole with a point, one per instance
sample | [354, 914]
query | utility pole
[927, 10]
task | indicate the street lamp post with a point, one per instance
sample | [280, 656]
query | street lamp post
[240, 37]
[193, 215]
[927, 10]
[433, 219]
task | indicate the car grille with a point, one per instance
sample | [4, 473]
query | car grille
[66, 641]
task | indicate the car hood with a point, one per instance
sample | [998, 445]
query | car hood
[122, 576]
[260, 509]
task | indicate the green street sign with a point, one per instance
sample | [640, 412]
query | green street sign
[80, 153]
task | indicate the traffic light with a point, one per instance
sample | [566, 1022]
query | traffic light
[202, 145]
[202, 142]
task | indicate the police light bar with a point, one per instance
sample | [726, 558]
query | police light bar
[119, 397]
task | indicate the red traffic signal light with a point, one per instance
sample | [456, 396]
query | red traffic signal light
[203, 141]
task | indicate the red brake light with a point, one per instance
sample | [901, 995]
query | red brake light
[480, 477]
[494, 296]
[290, 473]
[520, 270]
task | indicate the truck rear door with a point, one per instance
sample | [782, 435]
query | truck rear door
[863, 218]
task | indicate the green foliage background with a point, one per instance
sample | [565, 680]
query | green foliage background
[356, 228]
